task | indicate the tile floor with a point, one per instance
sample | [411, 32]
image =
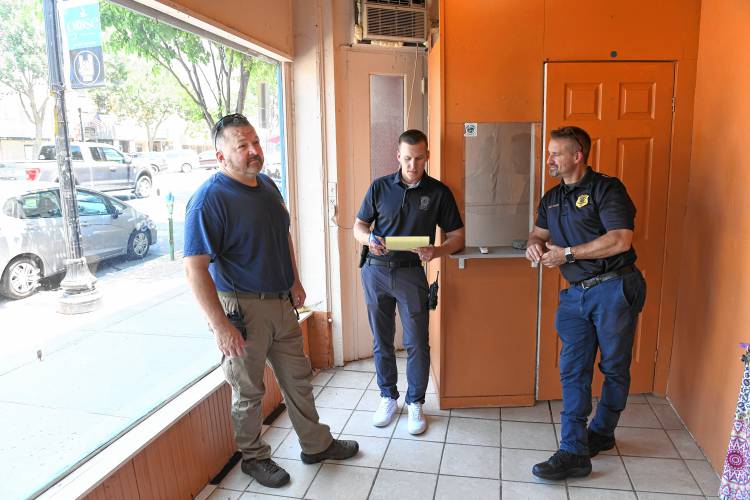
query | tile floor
[473, 454]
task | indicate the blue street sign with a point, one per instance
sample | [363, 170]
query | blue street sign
[83, 34]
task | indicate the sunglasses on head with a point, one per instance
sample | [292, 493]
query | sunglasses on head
[225, 121]
[569, 132]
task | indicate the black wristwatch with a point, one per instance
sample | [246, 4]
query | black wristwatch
[569, 257]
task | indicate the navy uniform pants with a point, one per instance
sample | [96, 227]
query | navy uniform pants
[602, 318]
[406, 287]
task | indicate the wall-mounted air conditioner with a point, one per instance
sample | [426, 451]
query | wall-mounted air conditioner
[395, 20]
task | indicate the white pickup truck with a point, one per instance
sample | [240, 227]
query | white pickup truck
[96, 165]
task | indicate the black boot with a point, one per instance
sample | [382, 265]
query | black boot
[562, 465]
[599, 442]
[266, 472]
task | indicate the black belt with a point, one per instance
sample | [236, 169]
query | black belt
[394, 263]
[254, 295]
[601, 278]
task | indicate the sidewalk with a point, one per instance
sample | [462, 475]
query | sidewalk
[99, 372]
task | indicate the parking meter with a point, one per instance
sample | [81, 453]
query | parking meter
[170, 208]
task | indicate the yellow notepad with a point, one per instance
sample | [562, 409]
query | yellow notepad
[406, 242]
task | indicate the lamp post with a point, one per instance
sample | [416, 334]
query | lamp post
[79, 293]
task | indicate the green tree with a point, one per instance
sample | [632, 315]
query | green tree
[214, 77]
[23, 59]
[140, 95]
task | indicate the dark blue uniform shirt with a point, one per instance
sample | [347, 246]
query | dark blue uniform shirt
[584, 211]
[244, 230]
[401, 211]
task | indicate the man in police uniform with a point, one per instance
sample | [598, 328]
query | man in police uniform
[405, 203]
[585, 227]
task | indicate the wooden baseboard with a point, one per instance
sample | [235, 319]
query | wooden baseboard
[485, 401]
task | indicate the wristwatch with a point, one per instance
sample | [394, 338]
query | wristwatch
[569, 257]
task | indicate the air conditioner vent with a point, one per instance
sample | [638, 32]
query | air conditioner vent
[393, 22]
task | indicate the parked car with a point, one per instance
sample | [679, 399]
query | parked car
[32, 242]
[96, 165]
[207, 159]
[154, 159]
[182, 160]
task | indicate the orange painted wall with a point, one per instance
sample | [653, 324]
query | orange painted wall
[493, 65]
[714, 293]
[268, 23]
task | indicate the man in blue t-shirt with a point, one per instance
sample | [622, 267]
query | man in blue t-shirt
[407, 202]
[584, 227]
[239, 261]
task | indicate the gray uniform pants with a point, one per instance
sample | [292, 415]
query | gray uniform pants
[273, 334]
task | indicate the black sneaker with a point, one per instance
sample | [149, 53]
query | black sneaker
[563, 464]
[599, 442]
[266, 472]
[338, 450]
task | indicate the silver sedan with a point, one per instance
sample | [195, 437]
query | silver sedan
[32, 240]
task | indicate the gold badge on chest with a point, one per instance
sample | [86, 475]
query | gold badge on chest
[582, 201]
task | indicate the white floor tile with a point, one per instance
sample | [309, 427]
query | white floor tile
[323, 377]
[341, 482]
[660, 475]
[540, 412]
[362, 365]
[530, 491]
[644, 443]
[289, 448]
[668, 417]
[334, 418]
[685, 445]
[250, 495]
[274, 436]
[704, 474]
[656, 400]
[282, 421]
[473, 431]
[222, 494]
[471, 461]
[637, 399]
[413, 456]
[432, 407]
[597, 494]
[528, 436]
[360, 424]
[401, 485]
[351, 379]
[339, 397]
[639, 415]
[665, 496]
[485, 413]
[301, 476]
[436, 429]
[465, 488]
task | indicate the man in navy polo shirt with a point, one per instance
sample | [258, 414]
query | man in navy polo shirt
[584, 227]
[239, 261]
[406, 203]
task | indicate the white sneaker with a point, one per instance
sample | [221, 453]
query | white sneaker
[417, 422]
[385, 412]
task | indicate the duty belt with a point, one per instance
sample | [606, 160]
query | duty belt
[601, 278]
[394, 263]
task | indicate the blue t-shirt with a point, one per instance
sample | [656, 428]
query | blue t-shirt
[244, 230]
[398, 210]
[581, 213]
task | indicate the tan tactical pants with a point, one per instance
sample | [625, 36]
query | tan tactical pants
[273, 334]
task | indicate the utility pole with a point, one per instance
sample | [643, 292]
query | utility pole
[79, 293]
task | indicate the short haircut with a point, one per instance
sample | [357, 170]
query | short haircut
[413, 137]
[577, 136]
[225, 122]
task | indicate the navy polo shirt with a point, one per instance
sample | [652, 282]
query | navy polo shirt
[584, 211]
[244, 230]
[401, 211]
